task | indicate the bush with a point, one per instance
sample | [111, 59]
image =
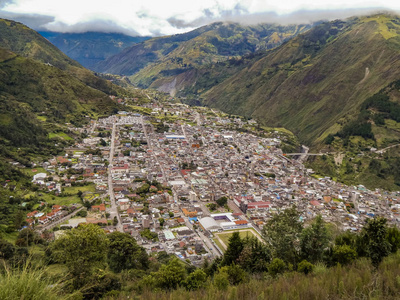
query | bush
[82, 213]
[277, 266]
[343, 254]
[305, 267]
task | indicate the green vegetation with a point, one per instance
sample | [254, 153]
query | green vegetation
[306, 85]
[86, 263]
[159, 60]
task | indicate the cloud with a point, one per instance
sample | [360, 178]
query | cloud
[99, 25]
[160, 17]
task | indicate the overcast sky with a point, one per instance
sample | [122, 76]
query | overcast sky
[162, 17]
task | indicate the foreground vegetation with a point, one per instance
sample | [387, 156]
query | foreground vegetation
[295, 262]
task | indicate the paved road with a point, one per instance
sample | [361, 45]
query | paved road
[206, 241]
[114, 208]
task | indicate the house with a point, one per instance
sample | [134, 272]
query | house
[100, 208]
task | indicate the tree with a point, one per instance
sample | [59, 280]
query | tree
[222, 201]
[115, 221]
[195, 280]
[393, 237]
[170, 276]
[82, 213]
[7, 250]
[27, 237]
[19, 219]
[276, 267]
[233, 250]
[314, 240]
[124, 253]
[255, 256]
[282, 235]
[82, 249]
[212, 206]
[343, 254]
[374, 234]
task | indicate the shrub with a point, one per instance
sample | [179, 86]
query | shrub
[277, 266]
[305, 267]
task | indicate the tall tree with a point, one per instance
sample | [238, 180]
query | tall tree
[82, 249]
[255, 256]
[374, 235]
[124, 253]
[282, 234]
[314, 240]
[233, 250]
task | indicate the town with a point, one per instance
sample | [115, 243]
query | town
[181, 179]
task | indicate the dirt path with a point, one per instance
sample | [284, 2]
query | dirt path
[387, 148]
[365, 76]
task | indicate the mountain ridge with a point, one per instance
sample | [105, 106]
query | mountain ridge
[307, 87]
[164, 57]
[90, 48]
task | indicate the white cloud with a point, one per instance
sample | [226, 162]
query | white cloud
[154, 17]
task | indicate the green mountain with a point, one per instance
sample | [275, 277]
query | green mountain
[41, 89]
[315, 82]
[165, 57]
[89, 48]
[26, 42]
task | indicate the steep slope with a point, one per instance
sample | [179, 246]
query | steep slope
[26, 42]
[90, 48]
[165, 57]
[38, 89]
[312, 81]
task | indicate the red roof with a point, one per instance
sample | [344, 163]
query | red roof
[241, 222]
[31, 214]
[315, 203]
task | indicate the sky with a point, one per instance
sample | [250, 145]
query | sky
[165, 17]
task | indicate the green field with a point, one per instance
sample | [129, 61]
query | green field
[33, 171]
[224, 236]
[61, 135]
[68, 200]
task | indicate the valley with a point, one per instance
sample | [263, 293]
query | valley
[231, 161]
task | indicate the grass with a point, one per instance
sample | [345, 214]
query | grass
[356, 281]
[219, 244]
[224, 236]
[42, 118]
[68, 200]
[29, 283]
[9, 237]
[61, 135]
[33, 171]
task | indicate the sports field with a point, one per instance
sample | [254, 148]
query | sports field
[222, 238]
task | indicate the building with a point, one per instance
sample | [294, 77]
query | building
[210, 224]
